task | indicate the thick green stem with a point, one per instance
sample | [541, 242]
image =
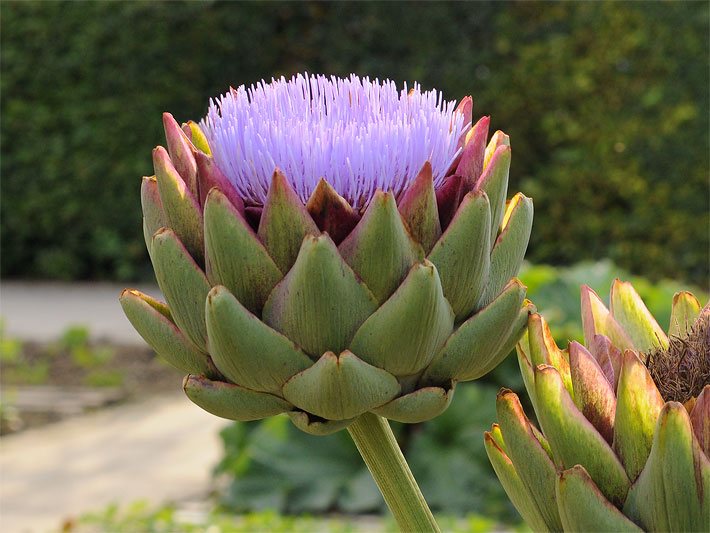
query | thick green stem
[378, 447]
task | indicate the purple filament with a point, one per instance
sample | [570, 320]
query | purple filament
[359, 135]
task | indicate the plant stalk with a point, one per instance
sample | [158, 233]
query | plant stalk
[379, 449]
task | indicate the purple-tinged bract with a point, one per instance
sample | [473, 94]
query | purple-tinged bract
[360, 135]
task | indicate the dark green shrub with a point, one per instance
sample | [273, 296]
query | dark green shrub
[606, 105]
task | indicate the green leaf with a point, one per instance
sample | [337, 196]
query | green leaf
[638, 405]
[181, 153]
[235, 257]
[180, 206]
[196, 136]
[419, 210]
[341, 386]
[152, 321]
[584, 508]
[470, 347]
[232, 401]
[629, 310]
[593, 394]
[403, 335]
[380, 249]
[284, 222]
[245, 349]
[462, 255]
[510, 246]
[671, 493]
[532, 463]
[522, 499]
[494, 182]
[320, 303]
[418, 406]
[686, 309]
[573, 439]
[184, 285]
[515, 333]
[153, 215]
[315, 425]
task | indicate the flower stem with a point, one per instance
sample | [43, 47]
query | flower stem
[379, 449]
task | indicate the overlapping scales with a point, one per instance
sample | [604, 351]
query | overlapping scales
[325, 311]
[613, 453]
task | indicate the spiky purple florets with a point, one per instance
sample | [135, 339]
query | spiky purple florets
[359, 135]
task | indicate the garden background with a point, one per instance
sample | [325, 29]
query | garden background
[606, 105]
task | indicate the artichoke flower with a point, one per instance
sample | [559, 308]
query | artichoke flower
[625, 421]
[332, 247]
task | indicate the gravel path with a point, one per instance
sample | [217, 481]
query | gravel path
[160, 450]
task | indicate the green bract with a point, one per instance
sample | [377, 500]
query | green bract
[625, 421]
[324, 311]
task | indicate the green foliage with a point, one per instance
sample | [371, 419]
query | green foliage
[273, 465]
[139, 516]
[606, 104]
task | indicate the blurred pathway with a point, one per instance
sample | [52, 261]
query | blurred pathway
[161, 449]
[41, 311]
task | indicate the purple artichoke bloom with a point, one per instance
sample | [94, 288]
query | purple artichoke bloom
[359, 135]
[330, 248]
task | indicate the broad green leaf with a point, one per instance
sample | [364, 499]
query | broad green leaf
[638, 405]
[315, 425]
[403, 335]
[494, 182]
[518, 328]
[593, 394]
[418, 406]
[629, 310]
[510, 246]
[181, 209]
[380, 249]
[462, 255]
[671, 493]
[181, 153]
[245, 349]
[419, 210]
[184, 285]
[284, 223]
[469, 347]
[341, 386]
[584, 508]
[320, 303]
[232, 401]
[153, 215]
[532, 462]
[573, 439]
[152, 321]
[522, 499]
[685, 310]
[597, 320]
[235, 257]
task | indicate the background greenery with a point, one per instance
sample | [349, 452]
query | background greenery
[606, 104]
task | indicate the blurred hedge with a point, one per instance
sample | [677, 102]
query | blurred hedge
[606, 105]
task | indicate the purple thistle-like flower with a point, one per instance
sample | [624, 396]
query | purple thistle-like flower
[359, 135]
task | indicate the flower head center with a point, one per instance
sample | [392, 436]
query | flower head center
[360, 135]
[682, 370]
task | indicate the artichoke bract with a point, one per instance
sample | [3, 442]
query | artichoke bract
[624, 419]
[330, 247]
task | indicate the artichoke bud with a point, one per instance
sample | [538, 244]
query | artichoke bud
[626, 416]
[328, 264]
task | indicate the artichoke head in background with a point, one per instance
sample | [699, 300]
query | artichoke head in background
[625, 421]
[329, 247]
